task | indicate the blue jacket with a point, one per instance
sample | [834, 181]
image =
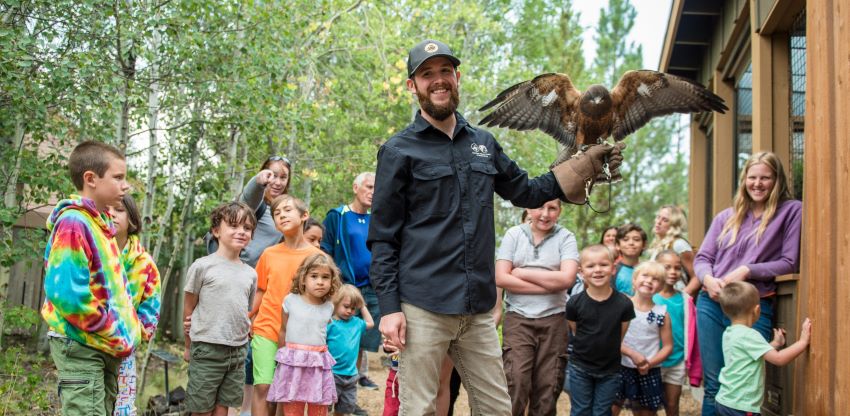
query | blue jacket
[334, 243]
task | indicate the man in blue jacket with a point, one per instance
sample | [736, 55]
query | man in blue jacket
[346, 227]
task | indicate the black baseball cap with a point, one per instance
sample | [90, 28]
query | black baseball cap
[426, 50]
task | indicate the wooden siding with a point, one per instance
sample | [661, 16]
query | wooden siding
[825, 287]
[698, 171]
[818, 382]
[763, 102]
[723, 152]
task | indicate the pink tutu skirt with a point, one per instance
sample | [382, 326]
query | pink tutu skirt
[303, 374]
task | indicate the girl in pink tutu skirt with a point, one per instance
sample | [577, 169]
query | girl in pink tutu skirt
[304, 376]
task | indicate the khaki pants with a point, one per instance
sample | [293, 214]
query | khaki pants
[535, 357]
[473, 344]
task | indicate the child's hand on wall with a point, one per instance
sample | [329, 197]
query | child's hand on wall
[806, 331]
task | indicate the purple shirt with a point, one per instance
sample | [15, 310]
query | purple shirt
[777, 252]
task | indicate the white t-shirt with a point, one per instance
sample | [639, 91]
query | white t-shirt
[644, 334]
[308, 323]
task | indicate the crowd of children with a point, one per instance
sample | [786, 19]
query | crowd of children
[632, 324]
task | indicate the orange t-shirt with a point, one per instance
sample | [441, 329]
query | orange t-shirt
[275, 270]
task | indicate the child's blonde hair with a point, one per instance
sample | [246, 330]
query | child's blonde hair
[352, 293]
[595, 248]
[652, 268]
[311, 262]
[737, 299]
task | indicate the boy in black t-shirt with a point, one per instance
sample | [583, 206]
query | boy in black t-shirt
[598, 318]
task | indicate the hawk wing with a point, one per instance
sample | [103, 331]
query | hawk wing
[548, 102]
[641, 95]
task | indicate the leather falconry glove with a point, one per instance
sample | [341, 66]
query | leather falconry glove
[577, 175]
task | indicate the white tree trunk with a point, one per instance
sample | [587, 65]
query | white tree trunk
[169, 207]
[153, 148]
[178, 242]
[232, 162]
[308, 184]
[11, 192]
[122, 122]
[240, 173]
[177, 327]
[10, 201]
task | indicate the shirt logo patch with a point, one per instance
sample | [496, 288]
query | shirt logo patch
[361, 221]
[479, 150]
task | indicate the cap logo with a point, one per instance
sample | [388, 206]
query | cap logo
[431, 48]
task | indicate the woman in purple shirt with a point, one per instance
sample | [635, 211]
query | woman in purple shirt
[755, 240]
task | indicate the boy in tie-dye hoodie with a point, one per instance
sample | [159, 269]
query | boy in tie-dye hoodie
[93, 323]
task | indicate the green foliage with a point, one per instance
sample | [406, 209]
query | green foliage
[321, 82]
[19, 319]
[22, 383]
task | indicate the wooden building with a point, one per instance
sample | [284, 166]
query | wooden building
[783, 66]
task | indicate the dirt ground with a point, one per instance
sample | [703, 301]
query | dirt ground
[373, 401]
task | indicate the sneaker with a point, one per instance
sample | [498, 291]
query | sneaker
[359, 411]
[367, 384]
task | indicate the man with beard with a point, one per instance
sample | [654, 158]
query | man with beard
[432, 236]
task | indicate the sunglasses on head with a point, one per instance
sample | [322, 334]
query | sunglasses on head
[280, 159]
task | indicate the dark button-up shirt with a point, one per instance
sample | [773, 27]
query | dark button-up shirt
[431, 236]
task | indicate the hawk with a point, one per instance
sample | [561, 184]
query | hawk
[551, 103]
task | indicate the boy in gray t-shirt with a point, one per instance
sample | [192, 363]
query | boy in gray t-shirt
[219, 292]
[535, 265]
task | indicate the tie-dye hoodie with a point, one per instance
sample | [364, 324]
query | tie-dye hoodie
[86, 297]
[142, 283]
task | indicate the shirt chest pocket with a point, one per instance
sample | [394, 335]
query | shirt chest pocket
[433, 192]
[481, 180]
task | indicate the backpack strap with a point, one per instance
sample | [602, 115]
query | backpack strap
[261, 210]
